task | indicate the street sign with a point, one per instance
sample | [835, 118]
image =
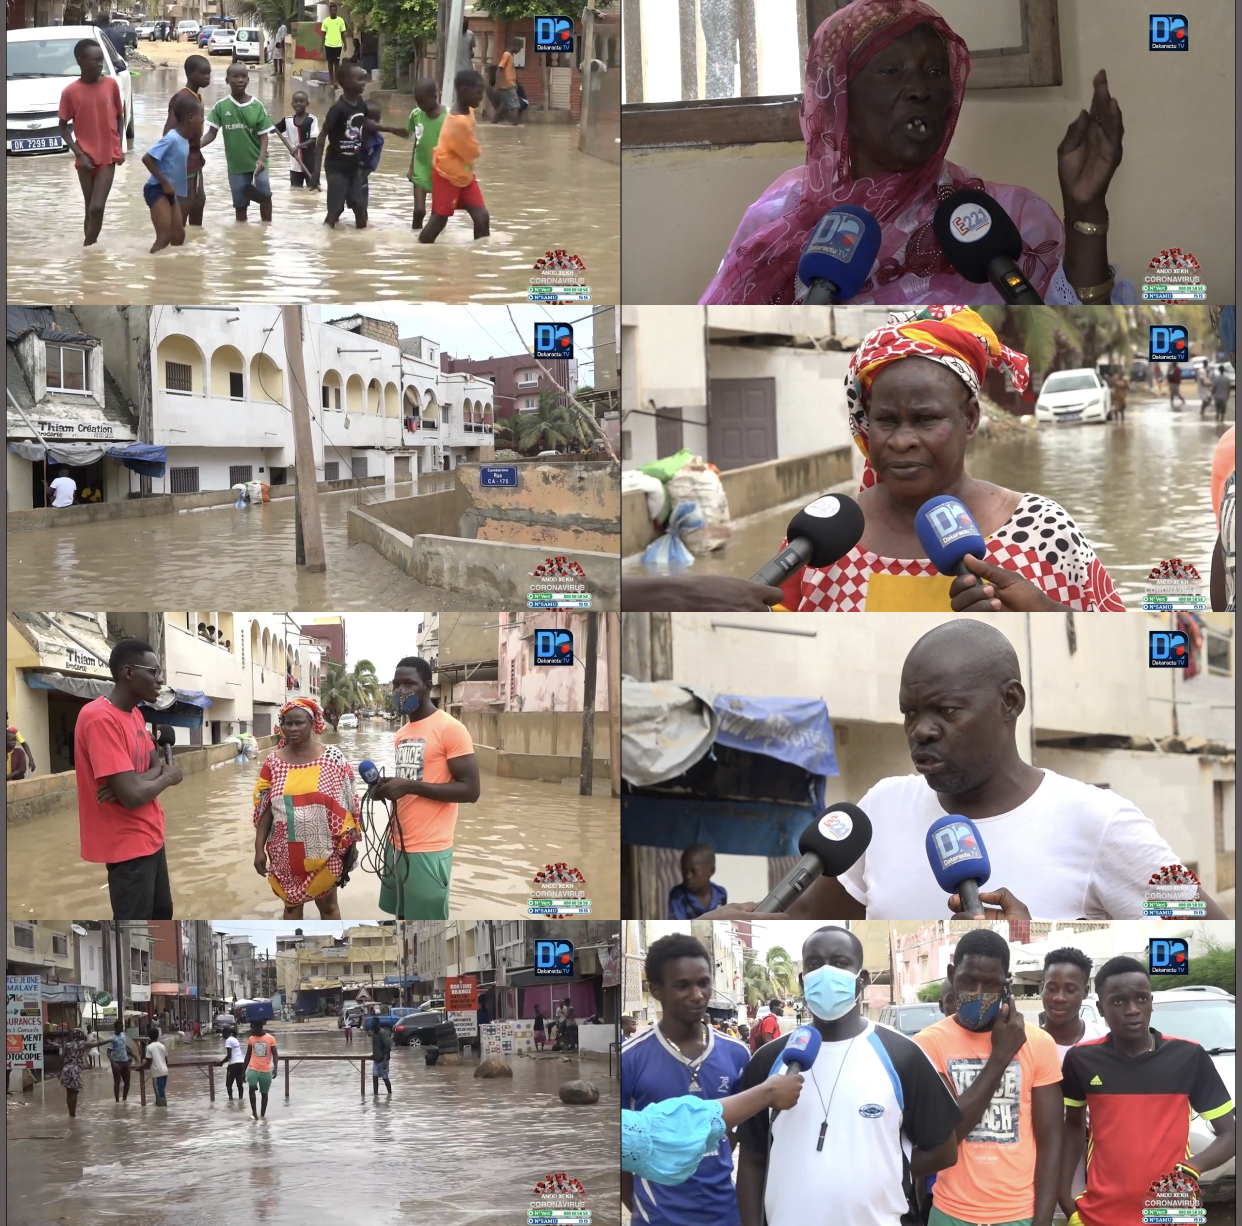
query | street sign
[23, 1046]
[498, 475]
[465, 1022]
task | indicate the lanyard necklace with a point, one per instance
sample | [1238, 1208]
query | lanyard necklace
[692, 1066]
[823, 1128]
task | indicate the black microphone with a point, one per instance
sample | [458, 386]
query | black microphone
[831, 844]
[982, 242]
[165, 739]
[818, 535]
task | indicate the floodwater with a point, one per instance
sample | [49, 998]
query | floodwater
[541, 192]
[445, 1148]
[1139, 489]
[235, 553]
[514, 829]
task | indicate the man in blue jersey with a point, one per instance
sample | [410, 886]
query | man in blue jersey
[682, 1054]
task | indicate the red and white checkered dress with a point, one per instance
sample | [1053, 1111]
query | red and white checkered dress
[1039, 540]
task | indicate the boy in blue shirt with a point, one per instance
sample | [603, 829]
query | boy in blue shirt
[167, 161]
[697, 892]
[682, 1054]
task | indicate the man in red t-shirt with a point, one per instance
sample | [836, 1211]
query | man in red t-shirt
[120, 774]
[93, 105]
[767, 1027]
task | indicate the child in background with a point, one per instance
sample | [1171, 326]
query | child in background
[246, 125]
[93, 105]
[157, 1062]
[697, 892]
[301, 130]
[453, 182]
[167, 186]
[259, 1063]
[197, 78]
[373, 141]
[425, 122]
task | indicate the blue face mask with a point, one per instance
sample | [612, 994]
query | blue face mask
[830, 992]
[976, 1009]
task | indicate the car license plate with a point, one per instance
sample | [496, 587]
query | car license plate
[26, 143]
[1073, 415]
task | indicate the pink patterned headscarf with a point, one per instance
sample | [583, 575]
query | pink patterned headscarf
[762, 259]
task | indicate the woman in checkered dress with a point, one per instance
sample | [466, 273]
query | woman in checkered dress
[912, 389]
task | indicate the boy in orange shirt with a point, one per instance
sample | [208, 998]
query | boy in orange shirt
[436, 771]
[453, 184]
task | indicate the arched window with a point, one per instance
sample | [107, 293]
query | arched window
[267, 380]
[228, 379]
[179, 366]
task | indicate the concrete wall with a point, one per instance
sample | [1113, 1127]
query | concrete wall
[466, 637]
[750, 489]
[1003, 135]
[37, 797]
[537, 732]
[499, 571]
[572, 505]
[155, 504]
[549, 768]
[437, 513]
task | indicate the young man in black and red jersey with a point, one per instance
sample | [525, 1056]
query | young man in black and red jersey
[1141, 1087]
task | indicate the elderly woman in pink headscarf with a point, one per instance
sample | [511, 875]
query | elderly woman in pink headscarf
[884, 86]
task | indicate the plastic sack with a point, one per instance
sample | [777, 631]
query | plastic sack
[663, 469]
[700, 483]
[667, 554]
[633, 480]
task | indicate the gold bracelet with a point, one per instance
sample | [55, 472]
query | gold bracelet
[1096, 293]
[1091, 227]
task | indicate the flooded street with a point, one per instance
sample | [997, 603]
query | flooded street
[541, 192]
[149, 563]
[516, 827]
[445, 1148]
[1139, 489]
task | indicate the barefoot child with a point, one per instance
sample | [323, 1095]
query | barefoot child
[166, 160]
[245, 125]
[425, 122]
[346, 130]
[300, 130]
[93, 105]
[259, 1063]
[453, 184]
[197, 78]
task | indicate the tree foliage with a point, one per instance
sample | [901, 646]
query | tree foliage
[409, 24]
[275, 13]
[552, 424]
[341, 690]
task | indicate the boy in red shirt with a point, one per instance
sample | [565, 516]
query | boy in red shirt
[93, 104]
[120, 774]
[453, 182]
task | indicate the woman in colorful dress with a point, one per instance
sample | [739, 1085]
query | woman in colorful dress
[884, 85]
[74, 1050]
[306, 814]
[912, 396]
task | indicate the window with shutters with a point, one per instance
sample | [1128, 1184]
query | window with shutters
[177, 377]
[332, 470]
[183, 480]
[359, 463]
[239, 473]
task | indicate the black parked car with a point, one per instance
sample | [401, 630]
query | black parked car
[122, 36]
[419, 1028]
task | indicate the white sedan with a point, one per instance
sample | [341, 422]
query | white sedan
[1074, 396]
[40, 65]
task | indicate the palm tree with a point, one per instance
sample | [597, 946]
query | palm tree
[1039, 332]
[367, 687]
[781, 972]
[758, 982]
[550, 425]
[275, 13]
[337, 693]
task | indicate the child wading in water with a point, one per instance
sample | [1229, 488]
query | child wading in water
[425, 122]
[93, 104]
[300, 129]
[246, 125]
[197, 78]
[453, 184]
[346, 131]
[166, 160]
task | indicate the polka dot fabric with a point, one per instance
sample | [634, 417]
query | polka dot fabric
[1039, 540]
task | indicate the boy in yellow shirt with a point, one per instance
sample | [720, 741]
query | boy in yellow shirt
[453, 183]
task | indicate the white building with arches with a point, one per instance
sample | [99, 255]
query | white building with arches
[219, 394]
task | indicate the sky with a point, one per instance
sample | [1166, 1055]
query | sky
[264, 932]
[382, 638]
[481, 331]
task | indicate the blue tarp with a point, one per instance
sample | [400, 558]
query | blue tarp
[186, 712]
[144, 458]
[795, 730]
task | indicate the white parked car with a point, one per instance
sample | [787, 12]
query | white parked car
[40, 65]
[146, 30]
[1206, 1015]
[221, 42]
[190, 28]
[1074, 396]
[248, 45]
[348, 720]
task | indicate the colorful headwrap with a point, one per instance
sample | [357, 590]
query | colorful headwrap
[762, 258]
[311, 705]
[956, 337]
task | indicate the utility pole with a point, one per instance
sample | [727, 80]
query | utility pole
[120, 975]
[586, 775]
[310, 527]
[612, 632]
[452, 40]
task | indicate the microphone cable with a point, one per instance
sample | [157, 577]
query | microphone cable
[375, 842]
